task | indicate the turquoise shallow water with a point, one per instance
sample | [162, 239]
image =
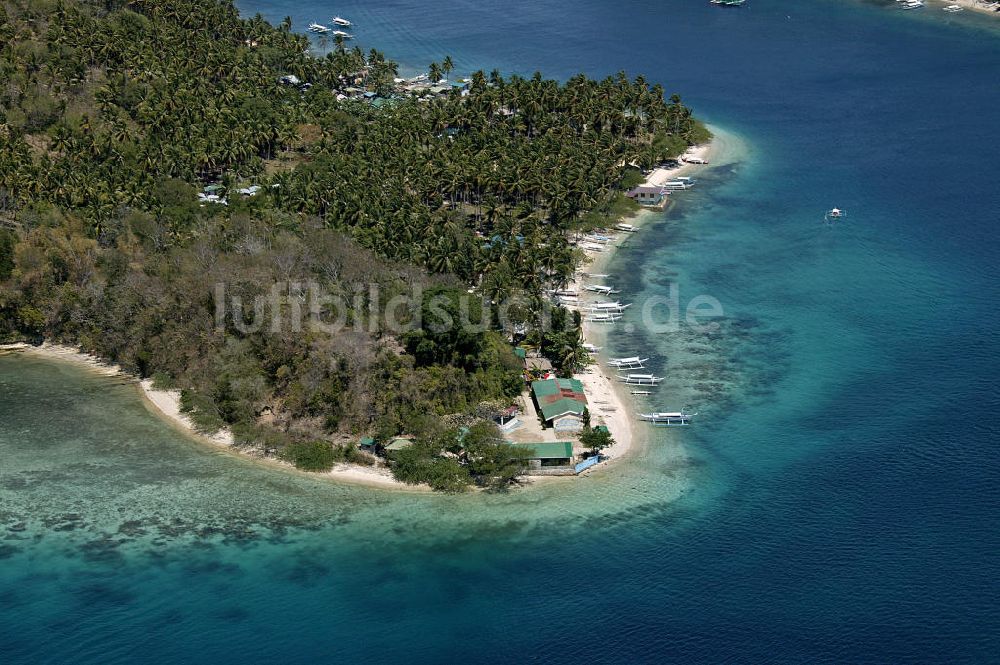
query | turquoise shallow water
[835, 503]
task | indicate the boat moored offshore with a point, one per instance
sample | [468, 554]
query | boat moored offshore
[668, 418]
[634, 362]
[640, 379]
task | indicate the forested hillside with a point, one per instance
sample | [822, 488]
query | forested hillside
[115, 115]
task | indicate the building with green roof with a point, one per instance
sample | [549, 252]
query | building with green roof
[561, 403]
[559, 453]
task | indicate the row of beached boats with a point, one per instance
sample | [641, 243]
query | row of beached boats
[611, 313]
[338, 21]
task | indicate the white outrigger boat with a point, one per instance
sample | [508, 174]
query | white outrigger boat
[318, 28]
[603, 290]
[341, 33]
[641, 392]
[635, 362]
[604, 318]
[590, 348]
[612, 307]
[951, 9]
[627, 228]
[668, 418]
[834, 214]
[640, 379]
[341, 21]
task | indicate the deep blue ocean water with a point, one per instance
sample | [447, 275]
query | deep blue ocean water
[836, 502]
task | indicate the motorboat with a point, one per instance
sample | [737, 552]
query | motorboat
[338, 20]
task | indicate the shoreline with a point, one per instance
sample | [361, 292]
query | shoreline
[978, 6]
[597, 379]
[165, 404]
[615, 412]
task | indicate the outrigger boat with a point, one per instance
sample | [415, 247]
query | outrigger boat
[640, 379]
[597, 288]
[668, 418]
[627, 228]
[604, 318]
[641, 392]
[316, 27]
[341, 21]
[729, 3]
[614, 307]
[341, 33]
[635, 362]
[590, 348]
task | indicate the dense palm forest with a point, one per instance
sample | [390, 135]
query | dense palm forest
[114, 115]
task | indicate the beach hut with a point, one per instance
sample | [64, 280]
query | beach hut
[367, 443]
[648, 195]
[561, 403]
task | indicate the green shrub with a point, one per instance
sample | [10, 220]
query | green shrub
[202, 411]
[310, 455]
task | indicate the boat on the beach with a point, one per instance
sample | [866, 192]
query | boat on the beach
[608, 307]
[668, 418]
[695, 160]
[953, 8]
[339, 20]
[604, 318]
[640, 379]
[318, 28]
[634, 362]
[597, 288]
[590, 348]
[627, 228]
[913, 4]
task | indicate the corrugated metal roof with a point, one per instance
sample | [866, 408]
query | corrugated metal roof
[557, 397]
[557, 450]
